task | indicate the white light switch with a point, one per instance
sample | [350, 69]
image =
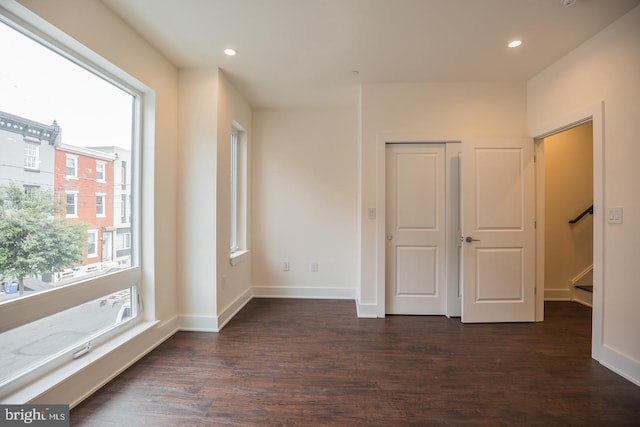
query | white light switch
[614, 215]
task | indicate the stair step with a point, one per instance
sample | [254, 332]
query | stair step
[588, 288]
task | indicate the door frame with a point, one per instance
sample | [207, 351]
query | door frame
[595, 114]
[453, 308]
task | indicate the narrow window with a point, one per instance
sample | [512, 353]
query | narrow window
[100, 171]
[31, 155]
[92, 251]
[123, 208]
[72, 166]
[123, 176]
[71, 204]
[100, 212]
[238, 190]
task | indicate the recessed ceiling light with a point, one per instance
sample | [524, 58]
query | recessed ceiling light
[514, 43]
[230, 52]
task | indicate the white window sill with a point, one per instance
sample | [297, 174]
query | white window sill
[57, 376]
[238, 256]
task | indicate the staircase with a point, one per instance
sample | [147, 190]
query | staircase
[582, 287]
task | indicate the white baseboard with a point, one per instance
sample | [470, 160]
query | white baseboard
[198, 323]
[309, 293]
[232, 309]
[366, 311]
[621, 364]
[583, 297]
[557, 295]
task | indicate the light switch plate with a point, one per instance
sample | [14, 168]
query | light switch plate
[614, 215]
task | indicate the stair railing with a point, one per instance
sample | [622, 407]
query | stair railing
[589, 211]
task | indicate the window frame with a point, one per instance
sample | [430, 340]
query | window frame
[73, 193]
[238, 189]
[101, 166]
[36, 157]
[92, 252]
[74, 159]
[103, 197]
[22, 311]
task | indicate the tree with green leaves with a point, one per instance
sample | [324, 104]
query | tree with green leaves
[35, 237]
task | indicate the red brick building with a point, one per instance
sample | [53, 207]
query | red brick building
[83, 181]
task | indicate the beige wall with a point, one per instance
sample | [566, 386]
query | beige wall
[437, 111]
[303, 203]
[568, 175]
[606, 69]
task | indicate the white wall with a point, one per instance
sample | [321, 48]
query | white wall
[607, 68]
[303, 202]
[234, 282]
[96, 27]
[197, 199]
[437, 110]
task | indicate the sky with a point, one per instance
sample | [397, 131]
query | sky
[39, 84]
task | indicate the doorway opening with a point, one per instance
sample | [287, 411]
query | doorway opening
[594, 114]
[566, 166]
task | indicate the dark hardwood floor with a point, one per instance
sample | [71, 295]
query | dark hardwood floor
[295, 362]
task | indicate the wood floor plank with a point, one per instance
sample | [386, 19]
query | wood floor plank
[289, 362]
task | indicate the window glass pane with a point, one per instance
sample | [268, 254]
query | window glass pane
[25, 347]
[234, 190]
[76, 129]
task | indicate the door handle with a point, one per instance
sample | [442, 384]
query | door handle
[470, 239]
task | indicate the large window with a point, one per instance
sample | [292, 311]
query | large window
[61, 291]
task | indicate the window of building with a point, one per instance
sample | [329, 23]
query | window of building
[238, 191]
[72, 166]
[68, 300]
[123, 241]
[92, 241]
[123, 209]
[123, 176]
[100, 171]
[31, 155]
[71, 203]
[100, 209]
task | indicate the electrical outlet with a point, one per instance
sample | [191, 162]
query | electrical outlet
[285, 266]
[314, 267]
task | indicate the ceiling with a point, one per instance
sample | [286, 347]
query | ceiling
[294, 53]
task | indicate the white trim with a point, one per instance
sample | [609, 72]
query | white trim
[198, 323]
[104, 205]
[66, 166]
[595, 113]
[84, 376]
[299, 292]
[238, 256]
[104, 171]
[557, 295]
[232, 309]
[621, 364]
[366, 311]
[95, 243]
